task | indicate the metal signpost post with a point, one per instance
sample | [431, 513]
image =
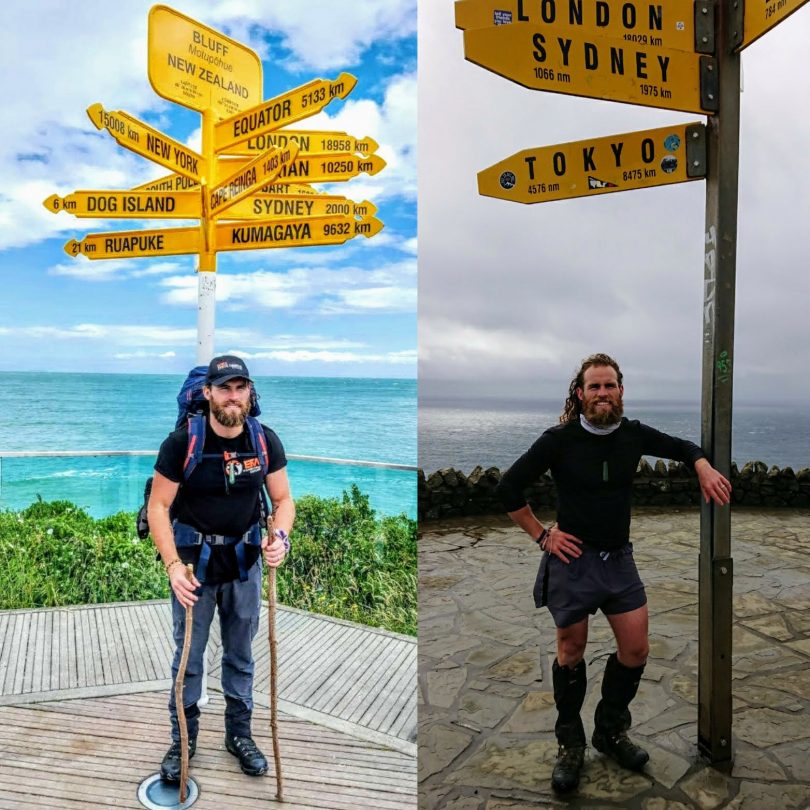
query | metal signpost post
[679, 55]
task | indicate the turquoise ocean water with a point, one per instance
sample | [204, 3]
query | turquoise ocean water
[349, 418]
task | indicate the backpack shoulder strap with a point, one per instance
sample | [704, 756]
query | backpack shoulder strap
[259, 442]
[196, 441]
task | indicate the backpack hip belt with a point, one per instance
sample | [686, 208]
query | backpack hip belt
[186, 536]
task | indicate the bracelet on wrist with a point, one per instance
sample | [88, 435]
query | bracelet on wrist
[541, 540]
[169, 565]
[284, 537]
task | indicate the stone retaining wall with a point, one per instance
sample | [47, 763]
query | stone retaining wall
[449, 493]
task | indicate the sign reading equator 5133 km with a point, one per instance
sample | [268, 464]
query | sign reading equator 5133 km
[199, 67]
[670, 24]
[542, 58]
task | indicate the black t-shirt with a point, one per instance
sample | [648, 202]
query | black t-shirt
[594, 476]
[214, 502]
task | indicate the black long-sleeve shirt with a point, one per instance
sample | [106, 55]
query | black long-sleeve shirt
[594, 476]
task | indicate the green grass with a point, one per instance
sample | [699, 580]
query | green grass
[345, 562]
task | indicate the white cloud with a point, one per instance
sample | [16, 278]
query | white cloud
[303, 356]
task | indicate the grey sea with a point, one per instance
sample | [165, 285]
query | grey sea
[346, 418]
[465, 433]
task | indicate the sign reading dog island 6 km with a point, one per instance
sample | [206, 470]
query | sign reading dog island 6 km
[655, 157]
[199, 67]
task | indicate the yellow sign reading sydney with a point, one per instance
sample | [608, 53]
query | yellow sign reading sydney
[293, 233]
[201, 68]
[310, 142]
[277, 112]
[277, 206]
[669, 24]
[133, 244]
[542, 58]
[128, 204]
[653, 157]
[759, 16]
[143, 139]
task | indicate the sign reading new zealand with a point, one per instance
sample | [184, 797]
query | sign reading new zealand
[199, 67]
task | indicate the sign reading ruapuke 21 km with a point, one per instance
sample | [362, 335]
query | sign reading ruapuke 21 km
[232, 185]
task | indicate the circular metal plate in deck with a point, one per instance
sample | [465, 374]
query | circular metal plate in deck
[155, 794]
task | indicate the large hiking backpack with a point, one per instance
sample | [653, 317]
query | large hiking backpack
[191, 404]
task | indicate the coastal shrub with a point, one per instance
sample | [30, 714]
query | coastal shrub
[345, 562]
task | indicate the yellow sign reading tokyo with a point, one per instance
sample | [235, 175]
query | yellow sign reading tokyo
[199, 67]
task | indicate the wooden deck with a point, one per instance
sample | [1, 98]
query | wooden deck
[94, 752]
[348, 677]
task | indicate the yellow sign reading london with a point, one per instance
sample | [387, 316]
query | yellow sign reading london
[293, 233]
[654, 157]
[759, 16]
[543, 58]
[128, 204]
[310, 142]
[143, 139]
[669, 24]
[200, 68]
[277, 112]
[133, 244]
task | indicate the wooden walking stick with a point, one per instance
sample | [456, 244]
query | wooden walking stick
[271, 621]
[178, 698]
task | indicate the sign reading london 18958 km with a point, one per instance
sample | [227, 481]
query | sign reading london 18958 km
[654, 157]
[199, 67]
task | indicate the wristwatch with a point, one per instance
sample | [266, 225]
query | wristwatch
[284, 537]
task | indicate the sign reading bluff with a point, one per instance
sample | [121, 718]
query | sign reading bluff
[148, 142]
[670, 24]
[595, 67]
[654, 157]
[277, 112]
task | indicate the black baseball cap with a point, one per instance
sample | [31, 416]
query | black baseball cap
[226, 367]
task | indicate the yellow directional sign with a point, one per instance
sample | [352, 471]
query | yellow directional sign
[545, 58]
[146, 141]
[759, 16]
[171, 182]
[331, 169]
[199, 67]
[282, 110]
[265, 206]
[128, 204]
[294, 189]
[669, 24]
[293, 233]
[132, 244]
[258, 172]
[310, 142]
[654, 157]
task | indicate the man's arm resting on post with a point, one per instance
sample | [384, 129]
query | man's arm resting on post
[713, 485]
[278, 487]
[160, 527]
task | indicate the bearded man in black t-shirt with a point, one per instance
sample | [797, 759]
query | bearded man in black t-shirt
[588, 562]
[215, 525]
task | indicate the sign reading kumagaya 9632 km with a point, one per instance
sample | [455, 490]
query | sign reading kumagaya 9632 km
[669, 24]
[653, 157]
[543, 58]
[201, 68]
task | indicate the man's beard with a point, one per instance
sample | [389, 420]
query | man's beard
[603, 417]
[230, 418]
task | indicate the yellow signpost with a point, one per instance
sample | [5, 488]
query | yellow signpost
[128, 204]
[759, 16]
[669, 24]
[250, 178]
[654, 157]
[200, 68]
[293, 233]
[278, 206]
[131, 244]
[332, 168]
[578, 64]
[277, 112]
[310, 142]
[149, 142]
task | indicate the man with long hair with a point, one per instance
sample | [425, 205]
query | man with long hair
[588, 562]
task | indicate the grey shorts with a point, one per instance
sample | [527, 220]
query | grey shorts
[593, 581]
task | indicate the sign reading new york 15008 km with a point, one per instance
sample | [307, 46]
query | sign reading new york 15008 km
[199, 67]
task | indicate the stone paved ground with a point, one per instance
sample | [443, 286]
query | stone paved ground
[486, 713]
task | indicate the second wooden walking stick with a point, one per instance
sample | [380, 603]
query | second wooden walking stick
[178, 698]
[271, 621]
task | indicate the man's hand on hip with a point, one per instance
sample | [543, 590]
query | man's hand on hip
[560, 543]
[274, 550]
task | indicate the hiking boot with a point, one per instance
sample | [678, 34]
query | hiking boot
[170, 767]
[620, 747]
[251, 760]
[565, 776]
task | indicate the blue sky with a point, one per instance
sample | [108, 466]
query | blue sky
[323, 311]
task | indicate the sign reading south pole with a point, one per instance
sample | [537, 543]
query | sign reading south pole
[200, 68]
[562, 61]
[655, 157]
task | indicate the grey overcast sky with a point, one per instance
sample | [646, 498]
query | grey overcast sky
[512, 296]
